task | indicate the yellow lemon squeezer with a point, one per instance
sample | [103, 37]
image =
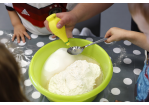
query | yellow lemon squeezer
[61, 33]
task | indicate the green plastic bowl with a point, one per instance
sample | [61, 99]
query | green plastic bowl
[93, 51]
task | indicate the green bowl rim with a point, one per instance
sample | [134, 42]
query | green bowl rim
[77, 97]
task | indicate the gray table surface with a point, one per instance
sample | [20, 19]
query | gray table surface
[127, 60]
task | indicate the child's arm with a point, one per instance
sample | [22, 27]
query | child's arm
[19, 29]
[137, 38]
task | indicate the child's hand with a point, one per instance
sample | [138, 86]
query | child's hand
[20, 31]
[115, 34]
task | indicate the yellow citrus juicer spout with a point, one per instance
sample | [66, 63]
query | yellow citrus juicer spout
[61, 33]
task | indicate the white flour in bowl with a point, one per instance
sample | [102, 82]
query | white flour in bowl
[78, 78]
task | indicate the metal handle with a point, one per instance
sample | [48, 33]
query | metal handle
[101, 40]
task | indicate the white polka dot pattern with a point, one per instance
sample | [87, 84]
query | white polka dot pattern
[40, 44]
[103, 100]
[11, 49]
[4, 40]
[28, 52]
[108, 43]
[90, 39]
[23, 70]
[50, 37]
[127, 61]
[21, 43]
[126, 42]
[23, 63]
[115, 91]
[34, 36]
[127, 81]
[137, 71]
[27, 82]
[36, 95]
[116, 69]
[136, 52]
[1, 33]
[117, 50]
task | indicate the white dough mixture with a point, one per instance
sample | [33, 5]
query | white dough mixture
[57, 62]
[67, 74]
[78, 78]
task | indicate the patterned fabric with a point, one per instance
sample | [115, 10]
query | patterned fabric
[37, 16]
[33, 15]
[142, 85]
